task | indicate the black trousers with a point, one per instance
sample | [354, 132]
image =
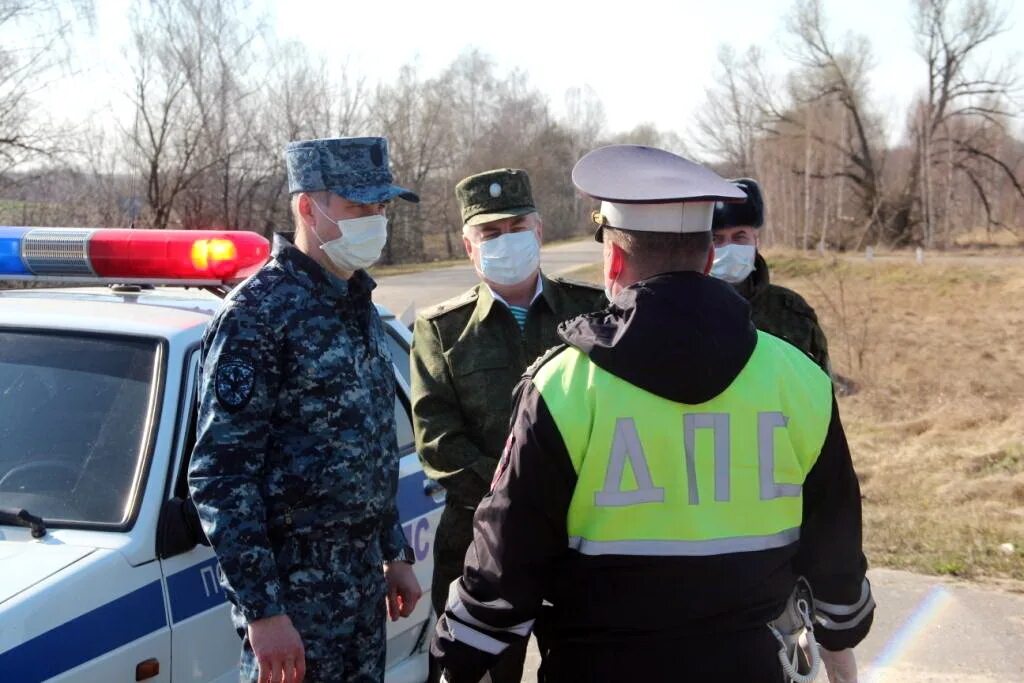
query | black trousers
[744, 657]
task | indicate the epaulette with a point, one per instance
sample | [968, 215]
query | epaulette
[257, 287]
[544, 358]
[799, 305]
[464, 299]
[576, 283]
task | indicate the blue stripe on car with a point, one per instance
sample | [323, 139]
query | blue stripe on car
[412, 501]
[194, 590]
[191, 591]
[86, 637]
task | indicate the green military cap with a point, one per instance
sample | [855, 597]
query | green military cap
[493, 195]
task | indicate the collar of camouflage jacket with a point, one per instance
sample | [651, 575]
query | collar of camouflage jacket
[757, 281]
[315, 277]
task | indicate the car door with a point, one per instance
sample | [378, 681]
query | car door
[420, 501]
[204, 644]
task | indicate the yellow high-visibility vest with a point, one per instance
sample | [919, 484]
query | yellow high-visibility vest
[656, 477]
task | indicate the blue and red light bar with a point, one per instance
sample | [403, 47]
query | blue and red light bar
[199, 257]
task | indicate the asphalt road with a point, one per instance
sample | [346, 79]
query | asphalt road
[926, 630]
[428, 287]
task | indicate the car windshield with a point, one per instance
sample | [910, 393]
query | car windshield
[75, 420]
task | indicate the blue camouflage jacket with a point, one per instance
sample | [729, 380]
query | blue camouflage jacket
[296, 431]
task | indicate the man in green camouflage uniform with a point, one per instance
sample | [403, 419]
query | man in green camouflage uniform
[774, 309]
[468, 354]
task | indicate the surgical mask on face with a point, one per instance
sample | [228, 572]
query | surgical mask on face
[361, 243]
[608, 284]
[733, 262]
[511, 258]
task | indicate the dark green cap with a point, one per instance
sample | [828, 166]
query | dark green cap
[493, 195]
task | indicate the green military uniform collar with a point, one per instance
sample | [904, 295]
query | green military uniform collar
[485, 299]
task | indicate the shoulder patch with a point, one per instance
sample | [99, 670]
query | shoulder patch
[233, 381]
[544, 358]
[467, 297]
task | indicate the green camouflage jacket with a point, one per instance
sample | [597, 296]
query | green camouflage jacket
[785, 314]
[467, 356]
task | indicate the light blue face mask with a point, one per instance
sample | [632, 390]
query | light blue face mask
[734, 262]
[511, 258]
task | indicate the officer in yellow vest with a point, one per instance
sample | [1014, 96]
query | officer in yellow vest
[670, 474]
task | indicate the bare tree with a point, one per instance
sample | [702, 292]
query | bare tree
[307, 98]
[412, 113]
[961, 89]
[33, 53]
[304, 98]
[838, 72]
[586, 122]
[727, 126]
[192, 82]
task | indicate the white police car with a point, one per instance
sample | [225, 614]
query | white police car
[102, 574]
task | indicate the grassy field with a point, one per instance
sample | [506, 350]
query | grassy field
[935, 353]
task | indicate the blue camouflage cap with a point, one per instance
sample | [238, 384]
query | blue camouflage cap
[354, 168]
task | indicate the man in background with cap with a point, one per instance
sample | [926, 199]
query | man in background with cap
[669, 475]
[469, 352]
[774, 309]
[295, 467]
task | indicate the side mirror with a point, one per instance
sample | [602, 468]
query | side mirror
[179, 529]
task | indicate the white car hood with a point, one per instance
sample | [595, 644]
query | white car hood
[24, 564]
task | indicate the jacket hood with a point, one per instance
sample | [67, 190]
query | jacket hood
[683, 336]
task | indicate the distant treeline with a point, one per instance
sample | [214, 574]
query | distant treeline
[216, 97]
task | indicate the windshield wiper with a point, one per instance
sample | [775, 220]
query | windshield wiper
[23, 518]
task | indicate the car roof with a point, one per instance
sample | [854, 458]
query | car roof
[161, 311]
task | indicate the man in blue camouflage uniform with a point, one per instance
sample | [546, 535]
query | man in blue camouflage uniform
[295, 468]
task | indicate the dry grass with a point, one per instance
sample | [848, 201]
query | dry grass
[937, 425]
[936, 422]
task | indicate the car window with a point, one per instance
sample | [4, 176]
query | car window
[406, 441]
[191, 406]
[75, 422]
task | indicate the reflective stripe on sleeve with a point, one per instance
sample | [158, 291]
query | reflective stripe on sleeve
[475, 639]
[846, 610]
[847, 625]
[456, 607]
[664, 548]
[830, 624]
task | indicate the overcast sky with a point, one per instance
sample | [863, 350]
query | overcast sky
[648, 60]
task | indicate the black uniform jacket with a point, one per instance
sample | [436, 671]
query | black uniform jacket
[685, 337]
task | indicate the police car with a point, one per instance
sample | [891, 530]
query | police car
[103, 571]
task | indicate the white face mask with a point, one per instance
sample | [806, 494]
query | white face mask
[733, 262]
[511, 258]
[608, 285]
[360, 244]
